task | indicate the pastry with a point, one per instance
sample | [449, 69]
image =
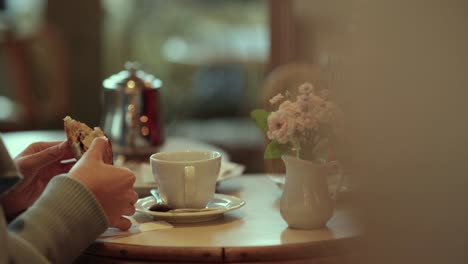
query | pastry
[80, 136]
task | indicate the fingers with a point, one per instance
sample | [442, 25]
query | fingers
[127, 177]
[62, 148]
[130, 208]
[38, 146]
[98, 148]
[108, 156]
[135, 198]
[56, 169]
[122, 223]
[53, 153]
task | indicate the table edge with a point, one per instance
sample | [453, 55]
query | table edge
[313, 249]
[138, 252]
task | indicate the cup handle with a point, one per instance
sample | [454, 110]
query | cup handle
[189, 185]
[335, 192]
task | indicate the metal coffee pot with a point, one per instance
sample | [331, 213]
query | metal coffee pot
[132, 115]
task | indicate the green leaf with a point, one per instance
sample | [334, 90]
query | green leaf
[274, 150]
[261, 119]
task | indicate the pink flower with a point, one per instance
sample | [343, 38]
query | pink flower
[325, 112]
[299, 117]
[281, 125]
[325, 94]
[316, 100]
[276, 99]
[303, 102]
[290, 107]
[306, 121]
[306, 88]
[303, 98]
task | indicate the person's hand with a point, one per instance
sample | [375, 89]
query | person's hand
[111, 185]
[37, 164]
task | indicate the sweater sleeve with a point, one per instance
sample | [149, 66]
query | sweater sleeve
[60, 225]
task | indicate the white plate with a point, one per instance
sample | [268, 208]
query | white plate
[225, 203]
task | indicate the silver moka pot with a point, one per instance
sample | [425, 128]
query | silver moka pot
[132, 112]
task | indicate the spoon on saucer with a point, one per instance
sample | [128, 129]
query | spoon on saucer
[193, 210]
[160, 205]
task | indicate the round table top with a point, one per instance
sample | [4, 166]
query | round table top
[255, 232]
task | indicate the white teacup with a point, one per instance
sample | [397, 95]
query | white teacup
[187, 179]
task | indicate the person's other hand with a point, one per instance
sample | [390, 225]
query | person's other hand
[37, 164]
[111, 185]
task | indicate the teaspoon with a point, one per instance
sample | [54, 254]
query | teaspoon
[160, 205]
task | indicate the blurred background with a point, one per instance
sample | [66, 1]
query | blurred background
[213, 57]
[398, 69]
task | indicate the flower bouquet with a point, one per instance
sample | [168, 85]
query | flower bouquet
[301, 125]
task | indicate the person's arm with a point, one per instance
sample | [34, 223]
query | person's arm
[58, 227]
[23, 179]
[71, 211]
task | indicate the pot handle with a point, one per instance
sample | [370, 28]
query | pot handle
[335, 165]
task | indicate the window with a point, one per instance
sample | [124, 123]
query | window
[201, 50]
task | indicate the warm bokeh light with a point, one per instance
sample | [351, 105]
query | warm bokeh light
[131, 84]
[145, 130]
[143, 119]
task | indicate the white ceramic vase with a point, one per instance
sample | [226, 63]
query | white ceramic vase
[306, 202]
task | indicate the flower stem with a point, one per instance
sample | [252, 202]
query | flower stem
[296, 148]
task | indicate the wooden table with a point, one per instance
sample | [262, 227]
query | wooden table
[253, 233]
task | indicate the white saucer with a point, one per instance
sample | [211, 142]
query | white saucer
[225, 203]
